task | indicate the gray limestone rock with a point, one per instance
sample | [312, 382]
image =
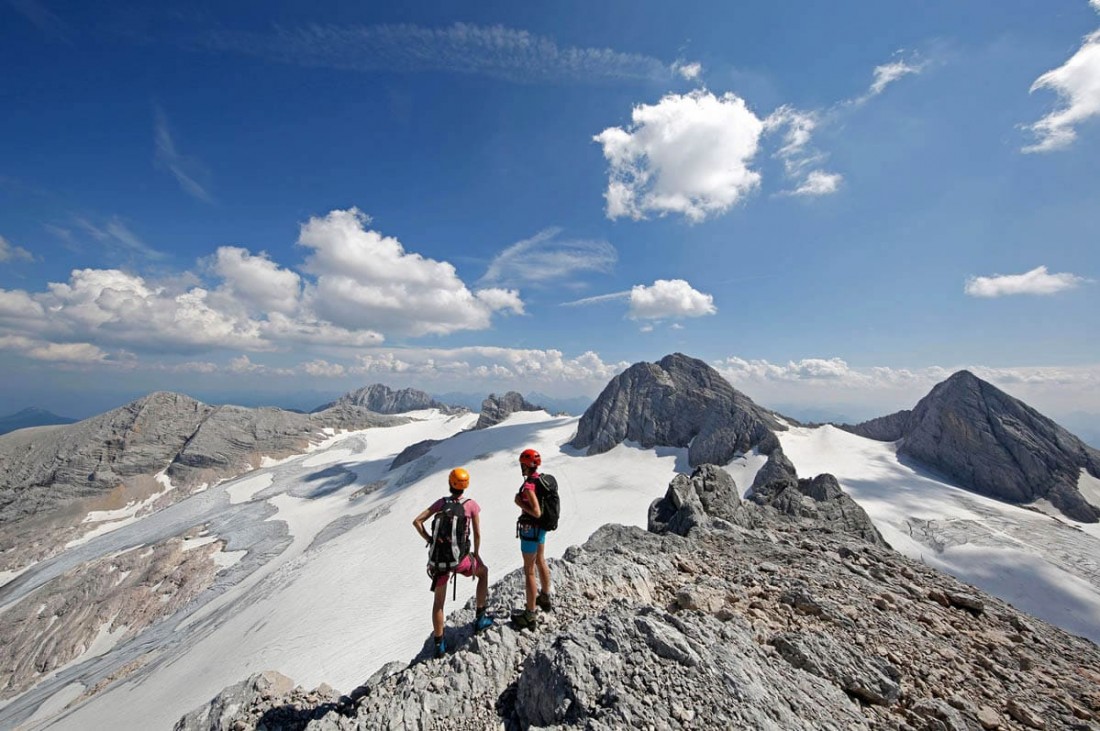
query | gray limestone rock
[977, 435]
[677, 402]
[383, 400]
[496, 409]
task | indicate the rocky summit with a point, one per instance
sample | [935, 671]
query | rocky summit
[677, 402]
[987, 441]
[496, 409]
[764, 614]
[381, 399]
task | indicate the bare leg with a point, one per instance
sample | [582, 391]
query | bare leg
[437, 609]
[482, 585]
[544, 570]
[529, 579]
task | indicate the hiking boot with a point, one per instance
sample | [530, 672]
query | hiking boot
[440, 647]
[483, 622]
[543, 602]
[525, 620]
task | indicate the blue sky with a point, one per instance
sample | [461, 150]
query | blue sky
[835, 204]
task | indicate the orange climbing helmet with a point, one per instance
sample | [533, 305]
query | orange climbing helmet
[459, 479]
[530, 458]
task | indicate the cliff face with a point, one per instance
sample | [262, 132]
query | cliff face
[677, 402]
[383, 400]
[974, 433]
[725, 614]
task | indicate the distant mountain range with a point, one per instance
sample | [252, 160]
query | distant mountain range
[31, 417]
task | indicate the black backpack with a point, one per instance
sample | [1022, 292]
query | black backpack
[546, 490]
[450, 537]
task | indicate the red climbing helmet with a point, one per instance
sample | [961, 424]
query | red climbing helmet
[530, 458]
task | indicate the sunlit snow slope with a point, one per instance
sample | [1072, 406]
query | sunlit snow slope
[334, 584]
[1045, 565]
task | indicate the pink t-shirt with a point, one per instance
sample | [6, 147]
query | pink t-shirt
[469, 506]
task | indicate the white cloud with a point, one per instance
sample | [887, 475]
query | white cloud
[1037, 281]
[797, 154]
[184, 169]
[495, 51]
[11, 252]
[888, 73]
[669, 298]
[69, 353]
[598, 299]
[323, 369]
[545, 258]
[688, 154]
[819, 182]
[257, 281]
[690, 71]
[115, 234]
[509, 365]
[365, 280]
[1077, 84]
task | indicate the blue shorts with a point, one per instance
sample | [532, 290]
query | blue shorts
[530, 538]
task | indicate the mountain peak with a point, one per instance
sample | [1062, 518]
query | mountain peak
[992, 443]
[677, 402]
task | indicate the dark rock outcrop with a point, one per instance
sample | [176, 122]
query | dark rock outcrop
[677, 402]
[496, 409]
[383, 400]
[784, 625]
[973, 433]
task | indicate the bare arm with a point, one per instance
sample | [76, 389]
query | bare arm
[477, 534]
[528, 502]
[418, 523]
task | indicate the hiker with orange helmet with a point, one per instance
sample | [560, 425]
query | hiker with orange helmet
[450, 551]
[532, 541]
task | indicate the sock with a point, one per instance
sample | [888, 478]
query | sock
[438, 640]
[480, 613]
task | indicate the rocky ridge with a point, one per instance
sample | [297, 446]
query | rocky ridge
[678, 402]
[383, 400]
[725, 614]
[987, 441]
[496, 409]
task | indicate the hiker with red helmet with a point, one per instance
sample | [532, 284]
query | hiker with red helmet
[450, 551]
[532, 541]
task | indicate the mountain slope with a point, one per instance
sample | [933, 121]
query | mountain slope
[980, 437]
[747, 621]
[677, 402]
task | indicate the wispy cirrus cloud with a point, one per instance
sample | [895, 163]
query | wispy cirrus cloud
[665, 299]
[43, 18]
[116, 234]
[11, 252]
[1077, 84]
[496, 51]
[545, 257]
[1038, 281]
[184, 169]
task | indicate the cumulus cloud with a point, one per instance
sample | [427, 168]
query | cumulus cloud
[494, 51]
[1037, 281]
[669, 299]
[257, 281]
[366, 286]
[544, 257]
[11, 252]
[323, 368]
[1077, 84]
[497, 364]
[365, 280]
[184, 169]
[688, 154]
[67, 353]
